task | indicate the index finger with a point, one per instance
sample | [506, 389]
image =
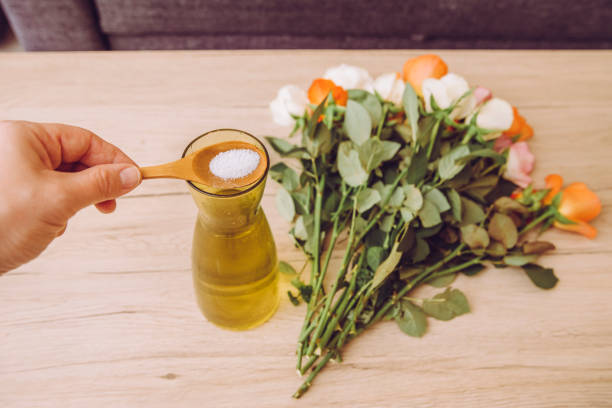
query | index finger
[72, 144]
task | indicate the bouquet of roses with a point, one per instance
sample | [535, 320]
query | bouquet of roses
[420, 177]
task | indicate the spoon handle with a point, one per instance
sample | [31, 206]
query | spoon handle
[176, 169]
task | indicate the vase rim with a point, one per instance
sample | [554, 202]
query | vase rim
[262, 179]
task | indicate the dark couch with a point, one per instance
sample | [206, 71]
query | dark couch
[243, 24]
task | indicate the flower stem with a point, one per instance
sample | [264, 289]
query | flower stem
[314, 275]
[537, 221]
[383, 204]
[325, 314]
[432, 138]
[306, 385]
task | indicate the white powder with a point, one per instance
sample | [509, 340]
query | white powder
[234, 163]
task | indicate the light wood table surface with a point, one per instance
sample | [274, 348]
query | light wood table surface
[106, 317]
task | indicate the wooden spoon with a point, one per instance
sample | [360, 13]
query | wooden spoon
[196, 167]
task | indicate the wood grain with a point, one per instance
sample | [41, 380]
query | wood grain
[107, 317]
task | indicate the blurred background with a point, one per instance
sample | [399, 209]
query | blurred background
[52, 25]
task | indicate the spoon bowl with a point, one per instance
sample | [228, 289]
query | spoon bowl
[196, 167]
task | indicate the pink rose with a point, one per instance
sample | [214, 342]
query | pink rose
[481, 95]
[502, 143]
[520, 164]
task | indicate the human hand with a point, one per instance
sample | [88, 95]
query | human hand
[48, 172]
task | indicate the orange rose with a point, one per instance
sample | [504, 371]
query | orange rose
[519, 127]
[320, 88]
[578, 204]
[418, 69]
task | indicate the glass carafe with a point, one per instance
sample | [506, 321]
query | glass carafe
[235, 271]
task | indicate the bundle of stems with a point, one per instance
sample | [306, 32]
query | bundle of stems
[417, 196]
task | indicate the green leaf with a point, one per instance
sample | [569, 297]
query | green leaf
[519, 260]
[411, 319]
[406, 214]
[449, 166]
[436, 197]
[285, 205]
[455, 202]
[286, 269]
[404, 132]
[357, 122]
[429, 214]
[473, 269]
[293, 298]
[474, 236]
[387, 223]
[285, 175]
[374, 256]
[541, 277]
[314, 119]
[406, 240]
[397, 198]
[442, 281]
[407, 272]
[304, 226]
[418, 167]
[375, 151]
[414, 198]
[369, 102]
[366, 199]
[420, 251]
[301, 200]
[286, 149]
[446, 305]
[503, 229]
[386, 267]
[411, 107]
[471, 213]
[320, 142]
[349, 165]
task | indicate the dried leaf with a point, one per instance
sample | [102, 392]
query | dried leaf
[507, 204]
[429, 214]
[474, 236]
[537, 247]
[503, 229]
[471, 213]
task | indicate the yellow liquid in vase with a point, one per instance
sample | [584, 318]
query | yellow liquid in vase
[236, 274]
[234, 263]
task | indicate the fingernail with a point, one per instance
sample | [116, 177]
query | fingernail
[130, 176]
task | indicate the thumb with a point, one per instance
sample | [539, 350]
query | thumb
[99, 183]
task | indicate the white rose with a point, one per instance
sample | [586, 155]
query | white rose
[350, 77]
[390, 87]
[290, 100]
[495, 115]
[447, 91]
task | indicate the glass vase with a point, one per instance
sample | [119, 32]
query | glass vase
[235, 268]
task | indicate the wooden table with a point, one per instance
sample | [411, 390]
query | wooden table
[107, 317]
